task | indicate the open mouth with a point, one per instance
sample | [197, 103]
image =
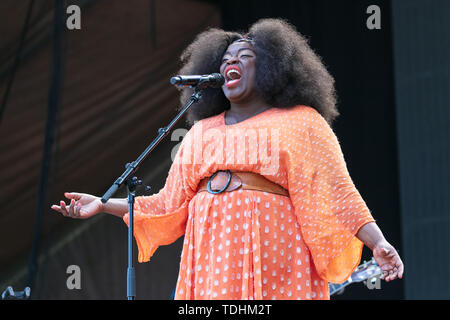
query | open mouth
[232, 76]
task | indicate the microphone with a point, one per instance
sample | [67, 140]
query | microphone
[213, 80]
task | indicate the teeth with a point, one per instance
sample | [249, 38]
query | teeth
[231, 71]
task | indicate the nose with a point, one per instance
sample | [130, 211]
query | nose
[232, 60]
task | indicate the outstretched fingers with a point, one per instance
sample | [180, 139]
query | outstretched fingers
[73, 210]
[58, 209]
[72, 195]
[76, 210]
[65, 209]
[391, 272]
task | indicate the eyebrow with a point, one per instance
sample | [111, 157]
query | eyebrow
[239, 50]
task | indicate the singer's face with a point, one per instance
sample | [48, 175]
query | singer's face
[239, 69]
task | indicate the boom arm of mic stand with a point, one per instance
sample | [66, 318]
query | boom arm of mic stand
[131, 168]
[131, 183]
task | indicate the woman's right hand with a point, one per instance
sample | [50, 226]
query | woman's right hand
[82, 205]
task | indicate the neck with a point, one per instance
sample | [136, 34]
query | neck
[242, 111]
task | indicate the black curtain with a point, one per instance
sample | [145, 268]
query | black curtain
[421, 33]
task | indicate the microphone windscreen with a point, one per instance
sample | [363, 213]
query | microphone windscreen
[218, 79]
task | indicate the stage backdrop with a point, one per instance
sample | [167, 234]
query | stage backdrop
[115, 94]
[421, 34]
[392, 85]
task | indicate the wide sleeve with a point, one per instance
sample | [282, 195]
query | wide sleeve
[328, 206]
[160, 219]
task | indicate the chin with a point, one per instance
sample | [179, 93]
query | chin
[236, 96]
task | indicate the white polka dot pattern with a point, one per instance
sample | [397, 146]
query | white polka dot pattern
[250, 244]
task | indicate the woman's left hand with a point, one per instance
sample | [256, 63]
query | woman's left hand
[389, 261]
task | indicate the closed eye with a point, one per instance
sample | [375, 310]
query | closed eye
[243, 55]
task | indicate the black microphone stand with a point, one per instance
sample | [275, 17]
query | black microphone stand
[132, 182]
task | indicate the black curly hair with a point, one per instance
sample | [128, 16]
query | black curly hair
[288, 73]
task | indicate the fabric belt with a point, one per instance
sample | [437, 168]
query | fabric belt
[227, 181]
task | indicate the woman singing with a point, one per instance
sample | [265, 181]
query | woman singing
[259, 186]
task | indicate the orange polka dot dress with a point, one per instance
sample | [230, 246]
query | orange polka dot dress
[249, 244]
